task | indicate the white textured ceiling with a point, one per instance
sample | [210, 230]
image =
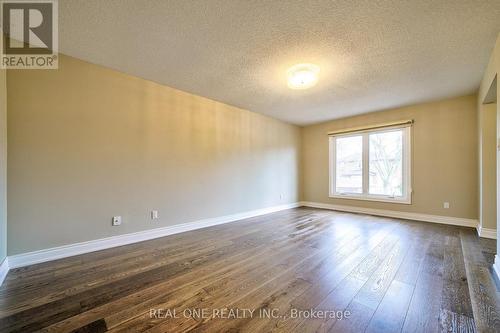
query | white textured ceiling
[373, 54]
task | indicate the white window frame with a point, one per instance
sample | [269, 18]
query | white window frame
[407, 180]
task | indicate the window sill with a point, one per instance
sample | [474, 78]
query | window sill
[404, 201]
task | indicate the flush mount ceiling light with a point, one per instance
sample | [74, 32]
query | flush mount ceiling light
[302, 76]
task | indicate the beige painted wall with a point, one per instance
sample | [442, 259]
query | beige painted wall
[487, 180]
[86, 143]
[3, 165]
[489, 75]
[445, 153]
[496, 56]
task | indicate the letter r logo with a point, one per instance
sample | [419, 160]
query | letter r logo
[29, 26]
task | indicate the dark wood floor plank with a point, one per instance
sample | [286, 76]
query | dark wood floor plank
[247, 280]
[360, 261]
[391, 275]
[91, 298]
[98, 259]
[262, 258]
[155, 249]
[374, 289]
[410, 267]
[323, 281]
[425, 305]
[357, 321]
[485, 298]
[337, 300]
[424, 309]
[454, 322]
[390, 314]
[456, 309]
[334, 282]
[378, 272]
[148, 296]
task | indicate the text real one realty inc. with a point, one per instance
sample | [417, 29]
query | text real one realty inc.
[237, 313]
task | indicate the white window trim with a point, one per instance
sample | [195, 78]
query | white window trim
[407, 166]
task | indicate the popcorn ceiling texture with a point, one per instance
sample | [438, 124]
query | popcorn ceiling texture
[373, 54]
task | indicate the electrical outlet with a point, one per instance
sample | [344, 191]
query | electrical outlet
[281, 196]
[154, 215]
[116, 221]
[446, 205]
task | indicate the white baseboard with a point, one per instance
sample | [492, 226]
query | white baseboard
[4, 269]
[397, 214]
[496, 266]
[25, 259]
[486, 233]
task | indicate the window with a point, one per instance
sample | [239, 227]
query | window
[371, 165]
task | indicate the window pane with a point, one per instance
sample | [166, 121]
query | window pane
[349, 165]
[386, 163]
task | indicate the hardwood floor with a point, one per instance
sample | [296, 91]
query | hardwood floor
[365, 273]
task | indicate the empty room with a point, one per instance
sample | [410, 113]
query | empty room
[249, 166]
